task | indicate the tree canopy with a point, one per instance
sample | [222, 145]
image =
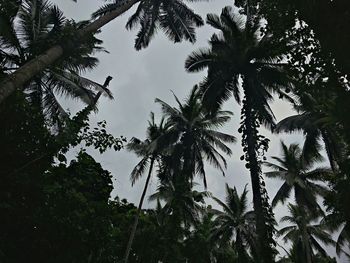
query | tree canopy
[59, 204]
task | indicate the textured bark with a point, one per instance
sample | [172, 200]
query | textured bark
[137, 216]
[306, 240]
[25, 73]
[263, 244]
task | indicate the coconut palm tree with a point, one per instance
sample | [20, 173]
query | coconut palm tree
[173, 17]
[199, 245]
[317, 124]
[181, 202]
[335, 222]
[150, 152]
[298, 175]
[304, 234]
[235, 223]
[237, 53]
[169, 245]
[195, 136]
[37, 24]
[295, 254]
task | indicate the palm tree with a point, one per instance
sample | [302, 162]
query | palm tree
[235, 223]
[194, 134]
[296, 255]
[199, 244]
[149, 151]
[173, 17]
[335, 222]
[237, 53]
[298, 174]
[317, 124]
[305, 235]
[37, 24]
[182, 203]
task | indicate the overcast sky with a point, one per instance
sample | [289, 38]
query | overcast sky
[140, 77]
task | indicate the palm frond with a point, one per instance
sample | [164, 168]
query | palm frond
[139, 170]
[107, 8]
[282, 194]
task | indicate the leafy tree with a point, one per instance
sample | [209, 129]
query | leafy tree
[235, 224]
[173, 17]
[181, 211]
[64, 209]
[305, 235]
[297, 174]
[169, 239]
[76, 203]
[295, 255]
[150, 151]
[181, 202]
[194, 131]
[37, 195]
[322, 76]
[236, 52]
[24, 142]
[327, 19]
[335, 218]
[199, 244]
[316, 125]
[36, 25]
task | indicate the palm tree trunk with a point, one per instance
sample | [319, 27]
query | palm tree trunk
[25, 73]
[330, 152]
[137, 216]
[241, 250]
[308, 249]
[251, 140]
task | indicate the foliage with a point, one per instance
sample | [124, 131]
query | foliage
[236, 53]
[34, 27]
[53, 210]
[295, 171]
[36, 194]
[174, 18]
[304, 234]
[235, 224]
[194, 133]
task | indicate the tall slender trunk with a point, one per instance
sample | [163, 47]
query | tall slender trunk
[330, 152]
[137, 216]
[251, 141]
[241, 250]
[307, 244]
[25, 73]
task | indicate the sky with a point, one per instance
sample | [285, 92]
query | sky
[141, 76]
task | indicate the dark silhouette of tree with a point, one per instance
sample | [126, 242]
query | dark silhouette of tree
[316, 125]
[235, 224]
[173, 17]
[237, 53]
[150, 151]
[195, 135]
[304, 234]
[199, 244]
[299, 175]
[182, 203]
[24, 36]
[328, 20]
